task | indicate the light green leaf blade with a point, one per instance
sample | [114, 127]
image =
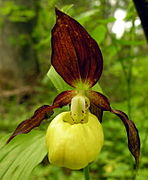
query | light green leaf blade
[66, 8]
[130, 42]
[21, 155]
[99, 33]
[106, 20]
[97, 88]
[57, 80]
[85, 16]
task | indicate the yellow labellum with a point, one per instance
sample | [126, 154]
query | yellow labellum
[73, 145]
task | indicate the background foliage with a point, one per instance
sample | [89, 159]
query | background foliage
[124, 80]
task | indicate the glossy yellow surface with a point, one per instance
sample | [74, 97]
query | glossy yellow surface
[73, 145]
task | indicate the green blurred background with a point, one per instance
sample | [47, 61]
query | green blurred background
[25, 32]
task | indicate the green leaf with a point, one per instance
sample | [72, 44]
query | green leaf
[86, 16]
[130, 42]
[106, 21]
[20, 156]
[97, 88]
[99, 33]
[57, 80]
[61, 85]
[66, 8]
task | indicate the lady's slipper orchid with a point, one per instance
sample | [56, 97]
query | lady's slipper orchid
[75, 138]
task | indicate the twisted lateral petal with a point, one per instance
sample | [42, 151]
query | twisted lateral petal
[75, 55]
[39, 115]
[102, 102]
[132, 134]
[42, 113]
[99, 100]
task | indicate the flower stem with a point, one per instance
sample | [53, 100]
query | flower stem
[86, 172]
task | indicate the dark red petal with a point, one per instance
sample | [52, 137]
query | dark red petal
[75, 55]
[39, 115]
[132, 133]
[102, 102]
[99, 100]
[96, 111]
[64, 98]
[42, 113]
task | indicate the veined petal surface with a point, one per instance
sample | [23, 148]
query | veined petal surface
[132, 134]
[42, 113]
[75, 55]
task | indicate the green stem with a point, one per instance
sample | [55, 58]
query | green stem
[86, 173]
[129, 88]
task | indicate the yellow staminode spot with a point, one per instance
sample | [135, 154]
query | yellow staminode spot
[73, 145]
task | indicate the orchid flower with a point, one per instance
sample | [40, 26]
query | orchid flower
[74, 138]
